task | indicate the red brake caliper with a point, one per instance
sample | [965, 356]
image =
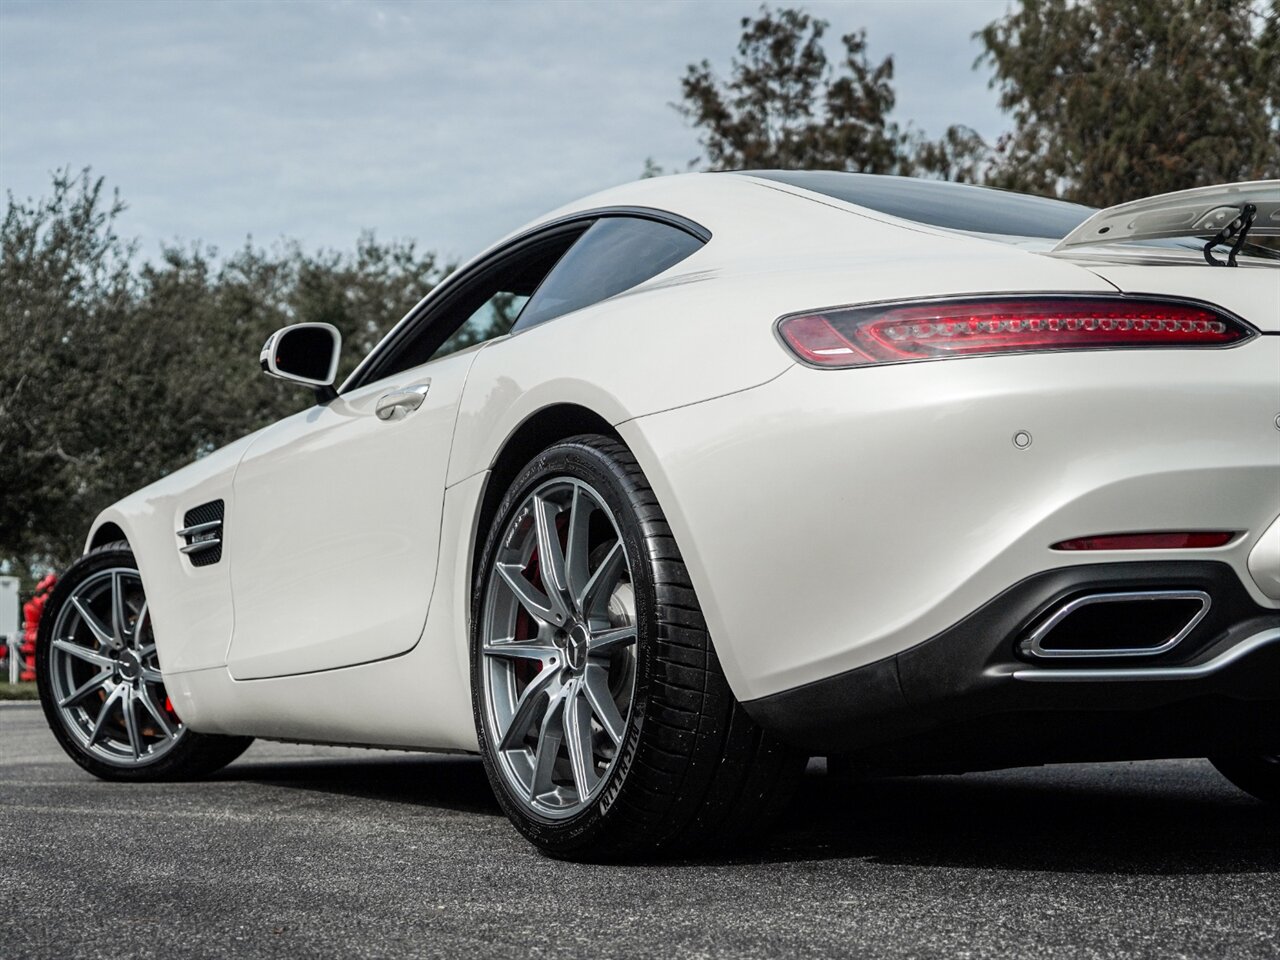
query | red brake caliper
[526, 670]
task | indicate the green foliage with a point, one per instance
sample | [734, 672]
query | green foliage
[1111, 100]
[785, 105]
[117, 372]
[18, 691]
[651, 169]
[1118, 99]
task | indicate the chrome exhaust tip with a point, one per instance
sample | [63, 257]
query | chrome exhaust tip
[1132, 624]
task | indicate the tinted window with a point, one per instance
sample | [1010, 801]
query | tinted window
[953, 206]
[493, 319]
[614, 255]
[478, 307]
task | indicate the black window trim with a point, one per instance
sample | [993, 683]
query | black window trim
[437, 300]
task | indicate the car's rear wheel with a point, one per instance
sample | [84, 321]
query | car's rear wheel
[606, 725]
[1254, 773]
[100, 682]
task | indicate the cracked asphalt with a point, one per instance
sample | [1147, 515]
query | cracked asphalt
[328, 852]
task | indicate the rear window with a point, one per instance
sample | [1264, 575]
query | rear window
[939, 203]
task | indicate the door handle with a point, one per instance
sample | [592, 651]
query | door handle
[398, 404]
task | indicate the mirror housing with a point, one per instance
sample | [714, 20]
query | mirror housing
[305, 353]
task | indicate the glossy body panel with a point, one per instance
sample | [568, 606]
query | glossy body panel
[338, 523]
[192, 608]
[704, 328]
[829, 518]
[1264, 562]
[849, 515]
[418, 700]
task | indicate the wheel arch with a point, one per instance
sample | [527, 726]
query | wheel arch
[106, 532]
[535, 433]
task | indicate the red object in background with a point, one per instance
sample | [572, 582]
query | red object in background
[31, 612]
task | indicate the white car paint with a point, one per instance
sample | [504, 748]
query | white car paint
[314, 594]
[882, 508]
[829, 517]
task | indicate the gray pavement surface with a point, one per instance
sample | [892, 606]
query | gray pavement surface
[325, 852]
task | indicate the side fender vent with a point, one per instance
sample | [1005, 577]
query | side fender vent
[201, 534]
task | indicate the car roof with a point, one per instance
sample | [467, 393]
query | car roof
[940, 203]
[713, 198]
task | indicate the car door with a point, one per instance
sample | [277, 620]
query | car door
[338, 520]
[337, 510]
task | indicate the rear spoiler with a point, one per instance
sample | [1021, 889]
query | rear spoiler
[1202, 212]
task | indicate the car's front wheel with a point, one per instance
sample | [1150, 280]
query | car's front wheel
[606, 725]
[100, 682]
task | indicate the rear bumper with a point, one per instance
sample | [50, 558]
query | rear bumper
[970, 697]
[831, 519]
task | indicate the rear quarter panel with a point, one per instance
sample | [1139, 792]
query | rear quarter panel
[704, 329]
[832, 518]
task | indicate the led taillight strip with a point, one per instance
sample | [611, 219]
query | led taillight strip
[894, 333]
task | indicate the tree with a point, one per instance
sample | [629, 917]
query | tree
[1118, 99]
[785, 106]
[117, 372]
[65, 296]
[960, 154]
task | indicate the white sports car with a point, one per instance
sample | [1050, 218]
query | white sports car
[910, 474]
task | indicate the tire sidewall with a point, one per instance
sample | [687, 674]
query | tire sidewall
[580, 459]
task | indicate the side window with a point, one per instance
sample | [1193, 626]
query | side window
[493, 318]
[615, 254]
[479, 307]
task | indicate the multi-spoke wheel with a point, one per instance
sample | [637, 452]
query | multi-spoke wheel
[100, 680]
[104, 673]
[605, 723]
[559, 647]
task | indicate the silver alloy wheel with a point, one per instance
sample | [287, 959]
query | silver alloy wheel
[559, 647]
[104, 673]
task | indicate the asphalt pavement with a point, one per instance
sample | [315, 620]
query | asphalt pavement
[326, 852]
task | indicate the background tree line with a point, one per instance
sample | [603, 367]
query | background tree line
[118, 370]
[1110, 100]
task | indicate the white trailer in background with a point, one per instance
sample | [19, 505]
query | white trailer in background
[11, 624]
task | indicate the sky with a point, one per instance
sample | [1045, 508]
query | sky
[451, 123]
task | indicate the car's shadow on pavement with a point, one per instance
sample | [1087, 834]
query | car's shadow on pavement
[1085, 822]
[450, 783]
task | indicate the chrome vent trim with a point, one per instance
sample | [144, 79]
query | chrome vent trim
[202, 534]
[1197, 672]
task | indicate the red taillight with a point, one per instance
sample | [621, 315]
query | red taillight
[893, 333]
[1147, 541]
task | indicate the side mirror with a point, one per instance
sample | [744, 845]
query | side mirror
[305, 353]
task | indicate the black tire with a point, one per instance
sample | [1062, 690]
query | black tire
[1256, 774]
[191, 756]
[693, 772]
